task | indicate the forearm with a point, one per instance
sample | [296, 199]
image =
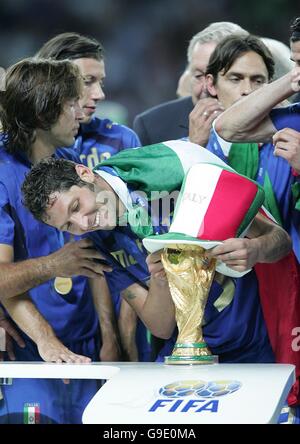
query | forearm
[127, 327]
[248, 119]
[160, 308]
[104, 308]
[18, 277]
[73, 259]
[27, 317]
[154, 307]
[31, 322]
[272, 242]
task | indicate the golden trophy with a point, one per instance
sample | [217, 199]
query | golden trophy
[190, 275]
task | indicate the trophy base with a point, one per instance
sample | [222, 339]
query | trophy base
[191, 360]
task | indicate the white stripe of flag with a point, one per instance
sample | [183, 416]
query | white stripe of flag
[195, 201]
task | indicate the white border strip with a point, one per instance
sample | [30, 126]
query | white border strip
[45, 370]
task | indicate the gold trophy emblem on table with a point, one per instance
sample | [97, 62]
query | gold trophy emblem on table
[215, 203]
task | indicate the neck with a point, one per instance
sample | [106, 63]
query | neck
[42, 147]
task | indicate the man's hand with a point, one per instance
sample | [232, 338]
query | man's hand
[287, 146]
[295, 79]
[110, 351]
[201, 119]
[239, 254]
[155, 266]
[52, 350]
[11, 335]
[77, 258]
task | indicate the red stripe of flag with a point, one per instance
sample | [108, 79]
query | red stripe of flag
[229, 204]
[37, 414]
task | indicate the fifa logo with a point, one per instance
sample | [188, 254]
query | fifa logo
[185, 396]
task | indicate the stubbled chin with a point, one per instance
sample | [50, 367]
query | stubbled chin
[68, 143]
[87, 119]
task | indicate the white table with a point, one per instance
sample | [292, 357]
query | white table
[134, 392]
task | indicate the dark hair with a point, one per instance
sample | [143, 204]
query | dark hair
[46, 177]
[295, 30]
[71, 45]
[34, 96]
[232, 47]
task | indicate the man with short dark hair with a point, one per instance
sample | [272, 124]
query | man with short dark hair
[295, 41]
[278, 165]
[237, 67]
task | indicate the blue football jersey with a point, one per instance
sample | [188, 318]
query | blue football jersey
[101, 139]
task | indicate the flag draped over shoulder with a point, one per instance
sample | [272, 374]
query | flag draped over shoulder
[159, 167]
[279, 289]
[244, 158]
[162, 167]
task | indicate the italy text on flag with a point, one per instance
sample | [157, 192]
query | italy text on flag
[31, 413]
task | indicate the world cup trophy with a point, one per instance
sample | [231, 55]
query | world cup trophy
[190, 274]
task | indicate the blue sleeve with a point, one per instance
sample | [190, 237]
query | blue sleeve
[119, 279]
[288, 117]
[67, 153]
[130, 139]
[7, 226]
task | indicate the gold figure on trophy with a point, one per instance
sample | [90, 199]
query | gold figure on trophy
[190, 275]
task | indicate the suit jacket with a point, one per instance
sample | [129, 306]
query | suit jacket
[167, 121]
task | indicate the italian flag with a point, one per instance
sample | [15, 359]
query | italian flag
[31, 414]
[220, 195]
[159, 167]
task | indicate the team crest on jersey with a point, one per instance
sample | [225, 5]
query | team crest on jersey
[31, 413]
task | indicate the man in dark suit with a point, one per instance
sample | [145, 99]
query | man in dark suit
[166, 121]
[170, 120]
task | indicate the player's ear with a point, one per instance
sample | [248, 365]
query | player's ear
[85, 173]
[210, 85]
